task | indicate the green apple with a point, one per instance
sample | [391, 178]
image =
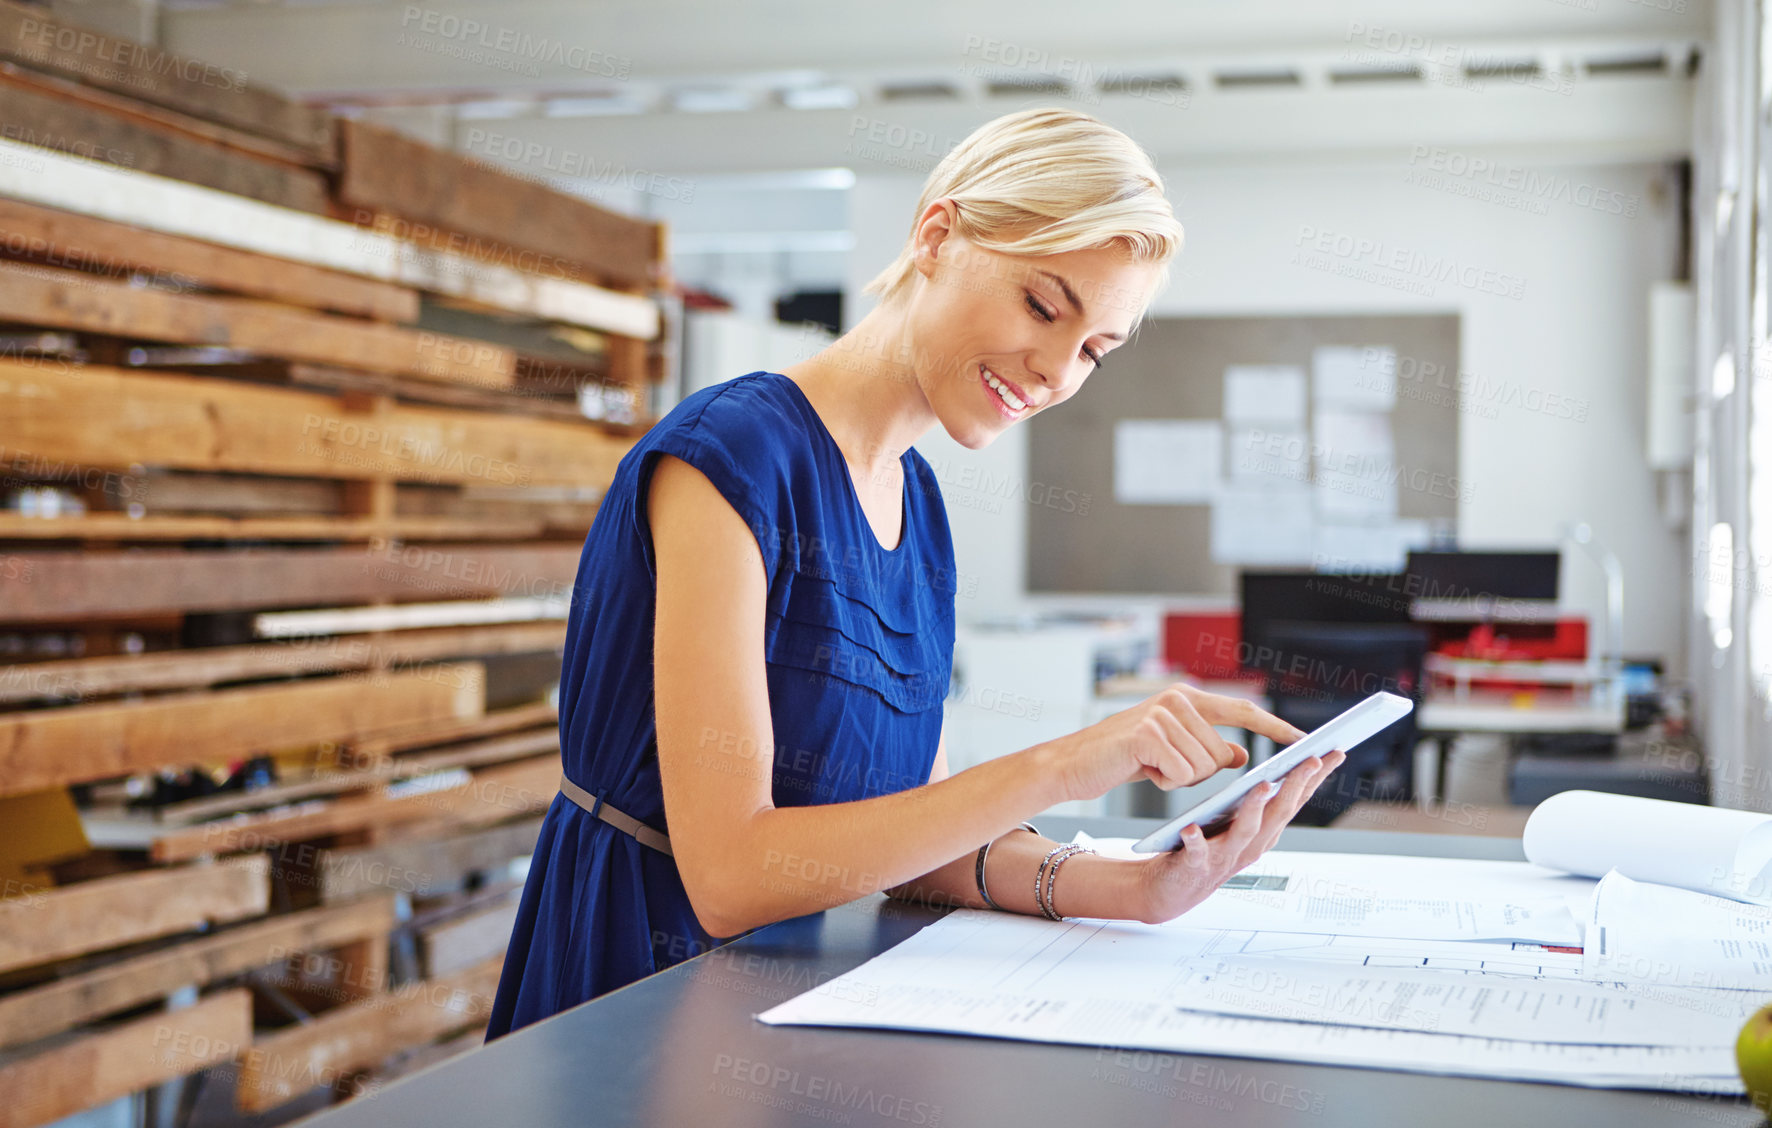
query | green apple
[1753, 1056]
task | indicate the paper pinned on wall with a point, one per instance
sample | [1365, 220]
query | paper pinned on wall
[1356, 471]
[1271, 525]
[1381, 546]
[1264, 392]
[1167, 461]
[1262, 454]
[1363, 377]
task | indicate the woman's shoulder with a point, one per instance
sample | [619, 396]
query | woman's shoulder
[752, 426]
[757, 407]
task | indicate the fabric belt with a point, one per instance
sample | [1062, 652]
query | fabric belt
[621, 821]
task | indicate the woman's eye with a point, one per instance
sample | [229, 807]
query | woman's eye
[1040, 312]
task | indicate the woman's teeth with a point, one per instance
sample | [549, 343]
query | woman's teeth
[1003, 391]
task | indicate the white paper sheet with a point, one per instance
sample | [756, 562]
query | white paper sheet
[1270, 455]
[1271, 393]
[1488, 957]
[1010, 976]
[1645, 933]
[1263, 525]
[1707, 849]
[1434, 1001]
[1365, 895]
[1356, 465]
[1167, 461]
[1359, 377]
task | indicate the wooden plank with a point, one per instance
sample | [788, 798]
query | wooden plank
[38, 1012]
[103, 913]
[499, 792]
[68, 299]
[186, 669]
[98, 1068]
[43, 748]
[375, 773]
[444, 862]
[404, 616]
[154, 75]
[384, 170]
[363, 1034]
[70, 586]
[358, 970]
[70, 239]
[56, 123]
[435, 909]
[122, 528]
[443, 732]
[196, 491]
[489, 796]
[125, 196]
[466, 940]
[97, 416]
[447, 395]
[168, 121]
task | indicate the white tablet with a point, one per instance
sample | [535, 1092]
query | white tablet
[1367, 719]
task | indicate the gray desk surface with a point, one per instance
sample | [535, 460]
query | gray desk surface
[682, 1048]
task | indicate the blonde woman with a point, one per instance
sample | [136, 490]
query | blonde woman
[763, 622]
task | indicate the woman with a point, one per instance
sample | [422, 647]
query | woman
[763, 621]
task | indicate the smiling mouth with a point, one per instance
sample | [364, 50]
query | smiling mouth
[1013, 403]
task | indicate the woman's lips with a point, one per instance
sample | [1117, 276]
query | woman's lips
[984, 378]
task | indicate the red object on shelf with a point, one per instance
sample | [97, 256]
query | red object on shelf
[1204, 644]
[1561, 639]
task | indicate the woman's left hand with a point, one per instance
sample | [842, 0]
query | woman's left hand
[1180, 879]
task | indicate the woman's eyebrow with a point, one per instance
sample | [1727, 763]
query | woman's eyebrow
[1070, 295]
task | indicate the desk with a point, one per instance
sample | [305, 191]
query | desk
[1445, 712]
[682, 1048]
[1443, 715]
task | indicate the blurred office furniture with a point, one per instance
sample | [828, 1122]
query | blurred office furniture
[1511, 678]
[1325, 642]
[721, 344]
[1648, 762]
[1017, 684]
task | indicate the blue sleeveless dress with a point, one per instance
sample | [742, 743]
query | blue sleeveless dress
[858, 649]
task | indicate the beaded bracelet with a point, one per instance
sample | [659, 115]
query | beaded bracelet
[978, 868]
[1052, 913]
[1049, 871]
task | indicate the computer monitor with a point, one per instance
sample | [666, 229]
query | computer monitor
[1502, 585]
[1272, 598]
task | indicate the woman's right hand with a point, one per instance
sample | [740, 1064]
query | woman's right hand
[1168, 739]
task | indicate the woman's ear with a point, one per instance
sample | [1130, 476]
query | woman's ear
[934, 227]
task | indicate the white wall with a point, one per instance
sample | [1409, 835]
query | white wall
[1576, 331]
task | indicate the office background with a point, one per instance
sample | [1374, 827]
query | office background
[1548, 213]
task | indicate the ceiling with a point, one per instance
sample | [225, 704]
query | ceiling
[697, 86]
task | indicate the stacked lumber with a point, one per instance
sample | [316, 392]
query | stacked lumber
[305, 425]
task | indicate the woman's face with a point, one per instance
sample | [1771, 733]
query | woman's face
[999, 337]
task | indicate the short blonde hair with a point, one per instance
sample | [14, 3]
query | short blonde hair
[1047, 181]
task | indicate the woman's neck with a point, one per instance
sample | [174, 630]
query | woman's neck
[864, 387]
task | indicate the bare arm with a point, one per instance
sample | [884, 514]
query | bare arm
[744, 862]
[1152, 890]
[1093, 886]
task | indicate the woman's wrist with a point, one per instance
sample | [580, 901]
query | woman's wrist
[1090, 885]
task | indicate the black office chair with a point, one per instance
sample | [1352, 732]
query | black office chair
[1318, 670]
